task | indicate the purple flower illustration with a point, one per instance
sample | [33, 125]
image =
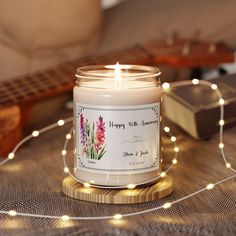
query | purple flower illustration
[83, 136]
[92, 138]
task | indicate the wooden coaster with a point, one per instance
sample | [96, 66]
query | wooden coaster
[76, 190]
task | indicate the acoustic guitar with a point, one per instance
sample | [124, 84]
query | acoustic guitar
[18, 95]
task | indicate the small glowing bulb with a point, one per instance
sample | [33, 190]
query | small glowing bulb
[68, 136]
[221, 145]
[65, 217]
[12, 213]
[195, 81]
[35, 133]
[167, 205]
[87, 185]
[214, 86]
[61, 122]
[11, 155]
[165, 86]
[117, 216]
[66, 169]
[222, 101]
[167, 129]
[131, 186]
[228, 165]
[176, 149]
[221, 122]
[174, 161]
[210, 186]
[173, 138]
[163, 174]
[63, 152]
[161, 160]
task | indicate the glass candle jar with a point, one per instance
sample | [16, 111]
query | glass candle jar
[117, 114]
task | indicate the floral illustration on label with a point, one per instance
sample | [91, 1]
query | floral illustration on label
[92, 139]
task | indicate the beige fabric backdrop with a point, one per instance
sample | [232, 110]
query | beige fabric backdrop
[136, 21]
[38, 34]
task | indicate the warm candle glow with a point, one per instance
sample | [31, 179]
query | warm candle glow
[117, 75]
[117, 71]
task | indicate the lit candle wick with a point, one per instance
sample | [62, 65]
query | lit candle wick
[117, 76]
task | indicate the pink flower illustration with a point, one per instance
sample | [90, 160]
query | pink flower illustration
[100, 134]
[91, 138]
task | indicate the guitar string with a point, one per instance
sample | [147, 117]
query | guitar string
[15, 95]
[124, 55]
[127, 54]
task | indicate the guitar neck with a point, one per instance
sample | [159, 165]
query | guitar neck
[60, 79]
[34, 87]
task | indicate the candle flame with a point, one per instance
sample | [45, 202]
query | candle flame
[117, 76]
[117, 71]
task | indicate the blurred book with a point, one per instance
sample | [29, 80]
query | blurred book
[196, 109]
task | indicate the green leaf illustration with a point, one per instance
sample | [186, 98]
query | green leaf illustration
[101, 153]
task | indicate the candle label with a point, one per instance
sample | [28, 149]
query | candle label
[118, 139]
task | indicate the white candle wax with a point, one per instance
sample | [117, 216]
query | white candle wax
[128, 151]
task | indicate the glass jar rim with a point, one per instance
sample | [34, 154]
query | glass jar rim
[131, 72]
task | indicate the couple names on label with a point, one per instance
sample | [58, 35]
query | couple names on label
[136, 154]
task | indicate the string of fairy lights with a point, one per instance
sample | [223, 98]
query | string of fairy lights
[118, 216]
[129, 186]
